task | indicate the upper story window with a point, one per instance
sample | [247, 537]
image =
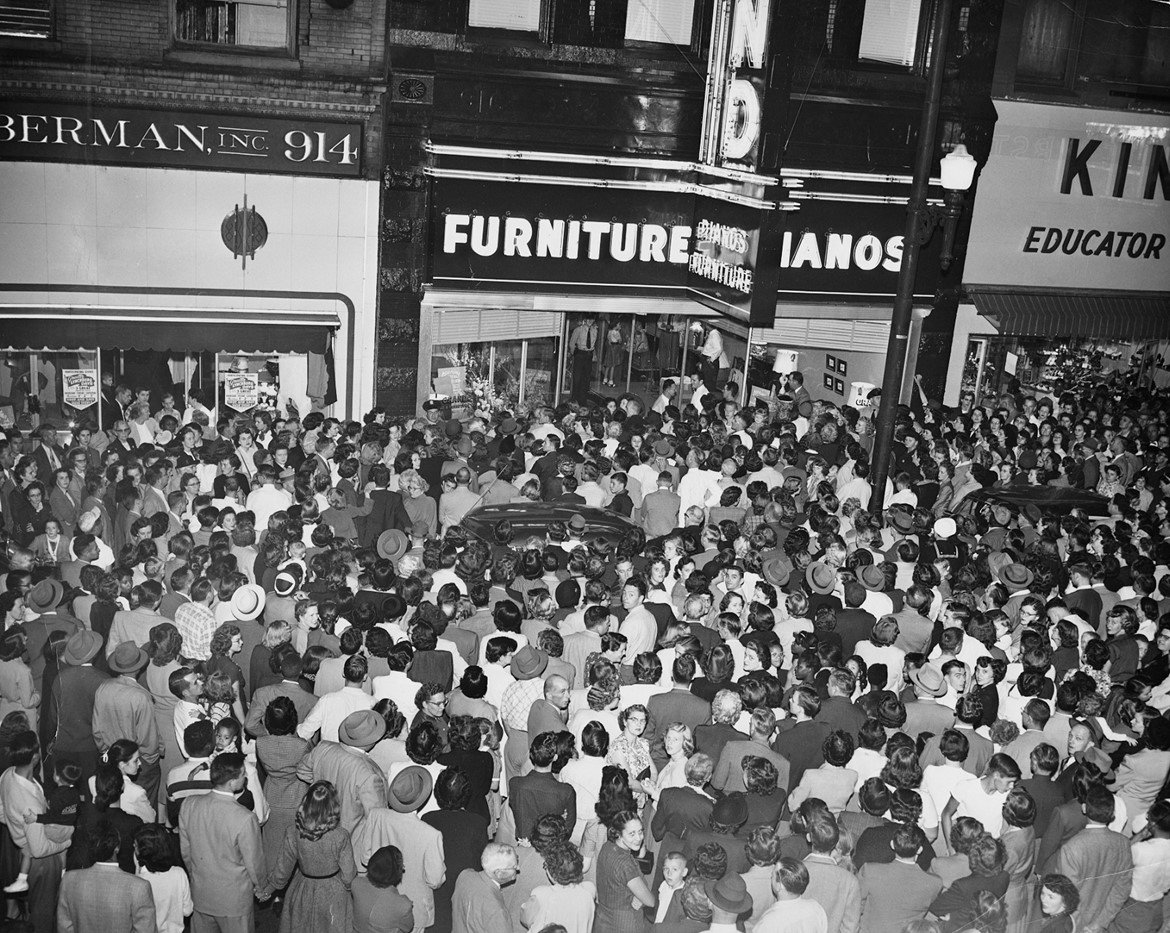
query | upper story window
[254, 24]
[663, 21]
[26, 19]
[515, 15]
[889, 32]
[882, 32]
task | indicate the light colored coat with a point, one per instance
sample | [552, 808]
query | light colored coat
[360, 783]
[105, 898]
[220, 842]
[422, 846]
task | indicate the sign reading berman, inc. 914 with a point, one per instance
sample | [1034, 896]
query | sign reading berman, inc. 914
[169, 139]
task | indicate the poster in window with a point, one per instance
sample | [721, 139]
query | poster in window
[241, 391]
[79, 388]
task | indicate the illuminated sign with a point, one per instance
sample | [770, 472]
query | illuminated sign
[733, 111]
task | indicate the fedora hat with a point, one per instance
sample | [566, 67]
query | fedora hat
[1033, 513]
[248, 602]
[902, 520]
[776, 570]
[945, 528]
[284, 584]
[528, 663]
[731, 810]
[82, 647]
[730, 893]
[577, 523]
[508, 426]
[392, 544]
[410, 789]
[664, 448]
[363, 729]
[1016, 577]
[453, 429]
[45, 596]
[929, 680]
[128, 658]
[821, 578]
[871, 577]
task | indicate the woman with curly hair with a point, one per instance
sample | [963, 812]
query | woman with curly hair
[567, 899]
[318, 857]
[622, 891]
[164, 647]
[227, 641]
[632, 752]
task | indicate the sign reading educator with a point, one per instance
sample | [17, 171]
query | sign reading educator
[53, 132]
[1073, 198]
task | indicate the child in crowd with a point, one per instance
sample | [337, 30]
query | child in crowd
[63, 799]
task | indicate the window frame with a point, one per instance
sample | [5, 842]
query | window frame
[698, 9]
[288, 50]
[1065, 84]
[55, 12]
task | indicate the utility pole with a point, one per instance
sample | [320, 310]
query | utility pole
[919, 227]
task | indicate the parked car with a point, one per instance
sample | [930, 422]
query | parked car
[1056, 500]
[533, 518]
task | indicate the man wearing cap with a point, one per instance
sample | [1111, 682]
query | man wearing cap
[346, 764]
[134, 625]
[527, 667]
[399, 825]
[45, 600]
[124, 709]
[924, 713]
[69, 708]
[478, 905]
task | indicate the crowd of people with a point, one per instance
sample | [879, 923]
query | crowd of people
[256, 664]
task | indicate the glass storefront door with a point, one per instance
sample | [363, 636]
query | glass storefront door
[36, 386]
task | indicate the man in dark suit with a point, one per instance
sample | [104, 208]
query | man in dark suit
[727, 816]
[801, 400]
[682, 810]
[69, 710]
[676, 705]
[104, 897]
[729, 768]
[220, 844]
[86, 552]
[49, 456]
[289, 686]
[837, 712]
[1041, 788]
[388, 511]
[539, 793]
[854, 624]
[801, 743]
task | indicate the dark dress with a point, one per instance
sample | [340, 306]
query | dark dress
[990, 697]
[464, 838]
[321, 870]
[218, 662]
[380, 910]
[278, 756]
[616, 867]
[477, 767]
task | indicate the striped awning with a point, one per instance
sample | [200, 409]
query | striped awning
[1107, 315]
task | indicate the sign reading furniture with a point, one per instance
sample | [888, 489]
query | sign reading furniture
[52, 132]
[1072, 198]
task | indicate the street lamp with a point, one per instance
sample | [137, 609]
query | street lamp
[922, 219]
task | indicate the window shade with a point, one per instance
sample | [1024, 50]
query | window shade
[262, 23]
[518, 15]
[889, 31]
[859, 336]
[493, 324]
[25, 18]
[667, 21]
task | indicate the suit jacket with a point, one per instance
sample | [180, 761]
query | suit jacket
[802, 402]
[736, 849]
[105, 898]
[360, 783]
[1067, 820]
[832, 785]
[676, 705]
[37, 633]
[801, 745]
[728, 774]
[1139, 779]
[388, 512]
[302, 700]
[478, 905]
[836, 890]
[927, 716]
[425, 869]
[1048, 797]
[659, 513]
[710, 739]
[71, 572]
[840, 714]
[45, 469]
[154, 500]
[979, 754]
[68, 713]
[681, 810]
[220, 842]
[1098, 862]
[534, 795]
[893, 894]
[853, 625]
[64, 510]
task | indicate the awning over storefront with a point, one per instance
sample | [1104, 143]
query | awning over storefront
[1111, 316]
[70, 327]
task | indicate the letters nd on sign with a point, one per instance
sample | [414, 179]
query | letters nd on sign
[130, 136]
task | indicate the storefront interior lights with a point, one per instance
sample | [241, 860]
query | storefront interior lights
[531, 155]
[679, 187]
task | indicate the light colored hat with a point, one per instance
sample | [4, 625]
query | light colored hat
[87, 521]
[363, 729]
[929, 680]
[128, 658]
[82, 647]
[248, 602]
[945, 528]
[392, 544]
[410, 789]
[528, 663]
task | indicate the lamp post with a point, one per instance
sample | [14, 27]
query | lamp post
[958, 171]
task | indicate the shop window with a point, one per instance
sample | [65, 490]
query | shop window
[254, 24]
[1047, 38]
[26, 19]
[495, 374]
[883, 32]
[661, 21]
[43, 386]
[513, 15]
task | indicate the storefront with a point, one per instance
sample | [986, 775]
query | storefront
[169, 250]
[1068, 268]
[651, 255]
[839, 259]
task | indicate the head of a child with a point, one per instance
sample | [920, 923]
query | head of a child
[674, 869]
[228, 736]
[296, 550]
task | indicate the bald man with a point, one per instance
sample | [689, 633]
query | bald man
[550, 713]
